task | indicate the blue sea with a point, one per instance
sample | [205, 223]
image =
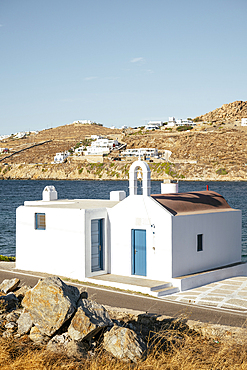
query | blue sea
[13, 193]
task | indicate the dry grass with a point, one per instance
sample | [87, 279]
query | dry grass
[172, 351]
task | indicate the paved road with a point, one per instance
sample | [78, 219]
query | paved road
[146, 304]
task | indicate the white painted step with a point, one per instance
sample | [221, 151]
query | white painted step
[160, 287]
[165, 291]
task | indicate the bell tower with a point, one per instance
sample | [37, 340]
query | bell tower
[146, 178]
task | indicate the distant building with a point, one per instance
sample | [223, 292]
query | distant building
[4, 150]
[101, 146]
[19, 135]
[184, 122]
[84, 122]
[244, 122]
[180, 122]
[156, 123]
[152, 127]
[60, 157]
[171, 121]
[96, 137]
[4, 137]
[148, 152]
[80, 150]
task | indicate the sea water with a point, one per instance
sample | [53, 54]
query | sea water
[13, 193]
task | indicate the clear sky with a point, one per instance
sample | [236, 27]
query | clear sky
[118, 62]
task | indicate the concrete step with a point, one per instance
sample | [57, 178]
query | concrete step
[161, 286]
[155, 288]
[164, 291]
[167, 291]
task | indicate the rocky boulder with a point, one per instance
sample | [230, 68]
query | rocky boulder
[20, 292]
[24, 323]
[89, 319]
[124, 344]
[37, 337]
[8, 302]
[50, 304]
[64, 344]
[9, 285]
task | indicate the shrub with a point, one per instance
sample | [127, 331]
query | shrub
[6, 258]
[86, 142]
[184, 128]
[77, 145]
[221, 171]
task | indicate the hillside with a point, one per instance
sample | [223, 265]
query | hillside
[208, 152]
[228, 113]
[60, 139]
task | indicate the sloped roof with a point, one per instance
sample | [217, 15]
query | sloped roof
[192, 202]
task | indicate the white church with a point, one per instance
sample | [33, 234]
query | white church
[153, 243]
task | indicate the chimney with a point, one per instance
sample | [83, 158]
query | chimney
[117, 195]
[49, 193]
[169, 186]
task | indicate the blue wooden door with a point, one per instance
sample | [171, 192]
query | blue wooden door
[96, 245]
[139, 252]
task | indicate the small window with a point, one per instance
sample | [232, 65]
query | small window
[199, 243]
[40, 221]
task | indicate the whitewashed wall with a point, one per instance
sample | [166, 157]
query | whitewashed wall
[64, 248]
[140, 212]
[60, 249]
[221, 241]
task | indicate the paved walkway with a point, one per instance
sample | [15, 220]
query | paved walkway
[229, 294]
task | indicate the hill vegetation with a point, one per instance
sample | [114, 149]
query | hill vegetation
[213, 150]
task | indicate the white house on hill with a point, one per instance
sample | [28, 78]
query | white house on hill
[156, 123]
[244, 122]
[140, 152]
[101, 146]
[60, 157]
[184, 239]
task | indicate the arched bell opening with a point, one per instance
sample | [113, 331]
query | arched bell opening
[146, 178]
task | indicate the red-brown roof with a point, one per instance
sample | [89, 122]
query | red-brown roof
[192, 202]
